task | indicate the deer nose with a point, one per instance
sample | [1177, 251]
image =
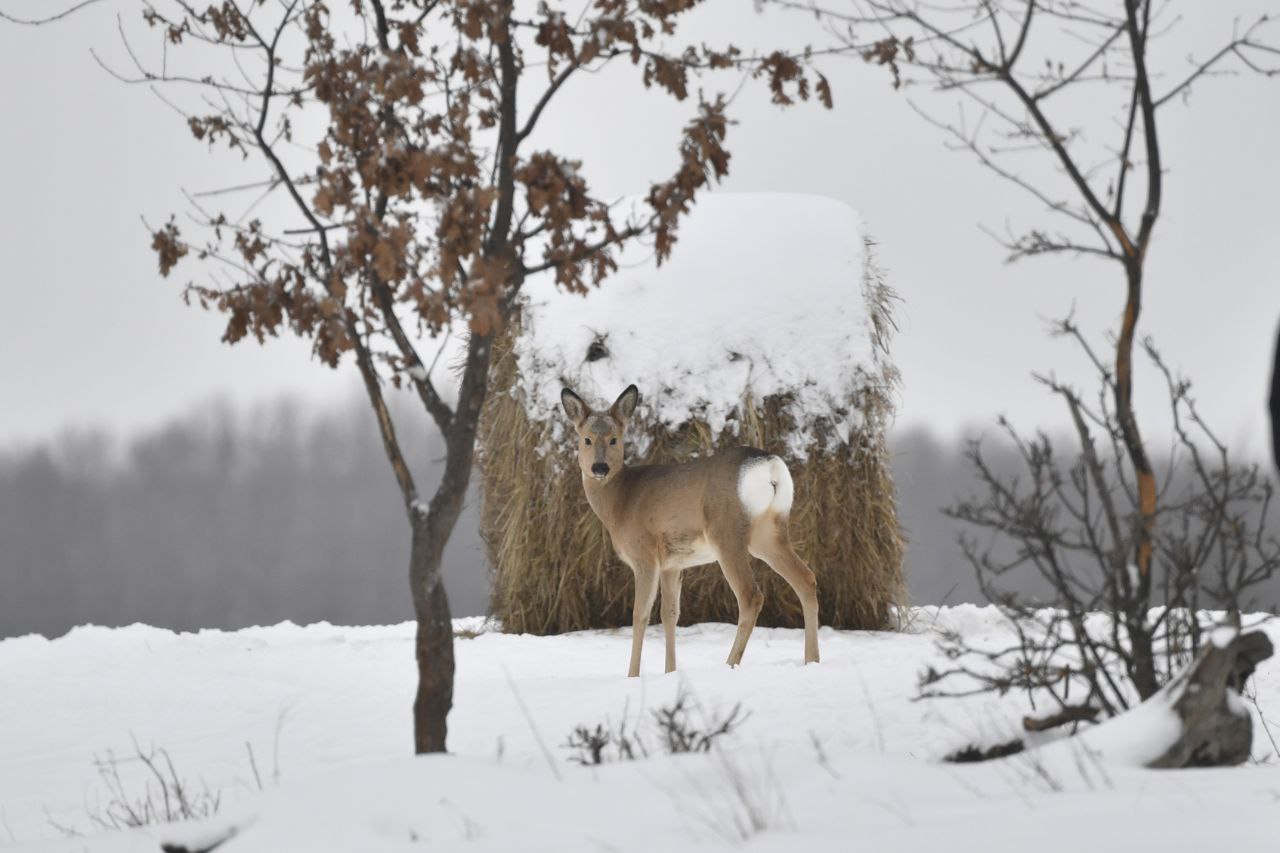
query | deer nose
[600, 469]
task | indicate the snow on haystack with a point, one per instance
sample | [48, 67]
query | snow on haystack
[765, 295]
[768, 326]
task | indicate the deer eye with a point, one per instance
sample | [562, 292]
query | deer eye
[587, 440]
[613, 441]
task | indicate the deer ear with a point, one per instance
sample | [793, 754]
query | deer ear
[574, 407]
[625, 406]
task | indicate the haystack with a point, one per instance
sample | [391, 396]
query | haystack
[769, 326]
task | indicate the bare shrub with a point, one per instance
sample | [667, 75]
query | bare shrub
[590, 744]
[593, 745]
[145, 788]
[680, 733]
[1106, 635]
[165, 795]
[677, 731]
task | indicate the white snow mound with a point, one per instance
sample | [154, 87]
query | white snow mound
[764, 294]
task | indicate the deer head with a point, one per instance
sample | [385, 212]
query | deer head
[600, 434]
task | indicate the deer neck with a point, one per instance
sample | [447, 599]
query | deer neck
[603, 497]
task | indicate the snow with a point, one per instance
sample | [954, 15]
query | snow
[718, 320]
[833, 756]
[1135, 738]
[1223, 635]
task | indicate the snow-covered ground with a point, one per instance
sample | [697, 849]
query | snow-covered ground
[835, 756]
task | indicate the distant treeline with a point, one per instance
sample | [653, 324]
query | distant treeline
[230, 518]
[221, 519]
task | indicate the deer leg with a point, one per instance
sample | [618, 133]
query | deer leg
[736, 566]
[646, 591]
[670, 583]
[775, 549]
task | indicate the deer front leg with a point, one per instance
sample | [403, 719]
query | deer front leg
[670, 583]
[646, 591]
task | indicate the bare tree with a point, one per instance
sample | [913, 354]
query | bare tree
[403, 136]
[1028, 75]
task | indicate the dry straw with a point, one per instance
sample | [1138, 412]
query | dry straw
[554, 569]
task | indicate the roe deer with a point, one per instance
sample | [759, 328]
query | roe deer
[662, 519]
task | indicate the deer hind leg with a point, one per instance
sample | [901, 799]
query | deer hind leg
[771, 542]
[646, 591]
[736, 565]
[670, 584]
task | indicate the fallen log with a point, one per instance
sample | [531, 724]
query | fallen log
[1216, 728]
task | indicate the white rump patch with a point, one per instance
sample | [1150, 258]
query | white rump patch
[765, 484]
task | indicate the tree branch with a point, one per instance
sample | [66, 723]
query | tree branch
[38, 22]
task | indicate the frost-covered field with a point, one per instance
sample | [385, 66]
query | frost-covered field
[835, 756]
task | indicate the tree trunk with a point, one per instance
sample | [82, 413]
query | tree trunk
[1141, 649]
[1137, 597]
[433, 644]
[432, 526]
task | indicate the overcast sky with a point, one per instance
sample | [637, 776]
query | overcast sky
[90, 335]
